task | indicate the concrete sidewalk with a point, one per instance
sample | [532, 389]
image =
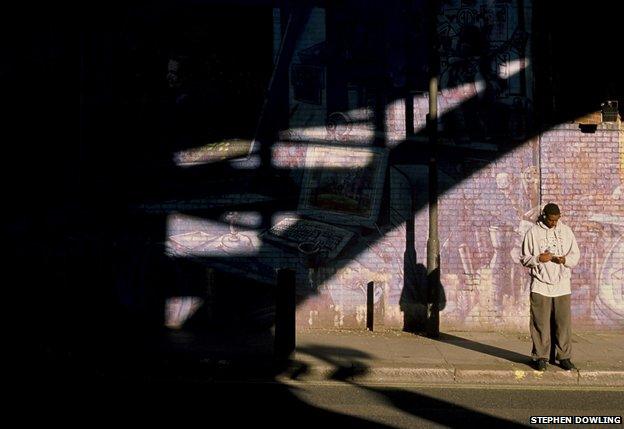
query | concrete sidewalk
[456, 357]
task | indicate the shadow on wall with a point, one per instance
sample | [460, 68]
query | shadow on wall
[122, 186]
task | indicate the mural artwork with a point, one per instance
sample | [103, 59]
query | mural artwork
[361, 215]
[485, 103]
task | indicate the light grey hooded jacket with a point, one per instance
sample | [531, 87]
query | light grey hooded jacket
[549, 278]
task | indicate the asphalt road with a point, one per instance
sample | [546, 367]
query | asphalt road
[323, 405]
[409, 406]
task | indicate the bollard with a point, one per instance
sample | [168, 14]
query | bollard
[210, 294]
[370, 306]
[285, 314]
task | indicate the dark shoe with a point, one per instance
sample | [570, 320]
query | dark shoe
[541, 364]
[566, 364]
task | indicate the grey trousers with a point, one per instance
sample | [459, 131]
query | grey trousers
[541, 308]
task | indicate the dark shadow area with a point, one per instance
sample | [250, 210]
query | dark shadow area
[187, 391]
[413, 300]
[179, 402]
[440, 412]
[432, 409]
[484, 348]
[89, 238]
[574, 57]
[346, 363]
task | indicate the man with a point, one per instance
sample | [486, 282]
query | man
[549, 248]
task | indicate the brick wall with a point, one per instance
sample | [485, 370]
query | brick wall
[494, 175]
[584, 173]
[484, 214]
[482, 222]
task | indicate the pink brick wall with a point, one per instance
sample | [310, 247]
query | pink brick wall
[584, 173]
[483, 219]
[482, 222]
[491, 195]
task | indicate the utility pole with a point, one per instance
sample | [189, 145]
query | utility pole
[433, 243]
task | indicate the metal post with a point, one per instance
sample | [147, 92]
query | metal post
[209, 293]
[433, 243]
[265, 128]
[285, 315]
[370, 307]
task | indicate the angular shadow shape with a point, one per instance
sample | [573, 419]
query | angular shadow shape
[333, 356]
[432, 409]
[441, 412]
[484, 348]
[117, 147]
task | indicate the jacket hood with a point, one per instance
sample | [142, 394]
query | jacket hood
[543, 225]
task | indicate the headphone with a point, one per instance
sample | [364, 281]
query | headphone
[542, 216]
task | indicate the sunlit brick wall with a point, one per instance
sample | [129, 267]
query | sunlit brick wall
[584, 174]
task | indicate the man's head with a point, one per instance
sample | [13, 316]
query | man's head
[551, 215]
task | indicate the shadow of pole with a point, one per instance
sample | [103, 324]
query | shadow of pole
[483, 348]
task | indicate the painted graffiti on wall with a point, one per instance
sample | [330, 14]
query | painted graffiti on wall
[492, 195]
[483, 55]
[486, 217]
[590, 185]
[484, 99]
[483, 222]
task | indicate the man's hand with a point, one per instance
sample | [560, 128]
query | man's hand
[545, 257]
[558, 259]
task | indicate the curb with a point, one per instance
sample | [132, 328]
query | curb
[515, 377]
[450, 375]
[601, 378]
